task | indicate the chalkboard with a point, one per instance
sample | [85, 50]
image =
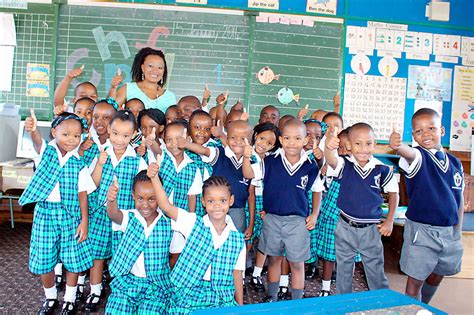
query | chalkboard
[200, 47]
[35, 30]
[307, 60]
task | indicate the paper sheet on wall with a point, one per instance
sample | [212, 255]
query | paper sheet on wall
[6, 67]
[462, 117]
[376, 100]
[8, 31]
[322, 6]
[429, 83]
[264, 4]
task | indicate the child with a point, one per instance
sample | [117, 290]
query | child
[265, 140]
[362, 179]
[208, 273]
[118, 160]
[432, 246]
[83, 108]
[135, 105]
[288, 176]
[171, 114]
[151, 122]
[269, 114]
[186, 106]
[181, 177]
[283, 120]
[227, 162]
[60, 226]
[140, 266]
[200, 126]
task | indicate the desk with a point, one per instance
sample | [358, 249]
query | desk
[336, 304]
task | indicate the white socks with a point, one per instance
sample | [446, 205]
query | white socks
[81, 279]
[326, 285]
[58, 269]
[96, 289]
[257, 271]
[284, 281]
[51, 293]
[70, 294]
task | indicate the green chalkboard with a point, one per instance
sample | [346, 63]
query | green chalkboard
[200, 47]
[307, 60]
[35, 31]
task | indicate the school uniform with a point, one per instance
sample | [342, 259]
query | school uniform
[140, 266]
[55, 187]
[225, 163]
[205, 169]
[203, 276]
[286, 203]
[432, 243]
[180, 181]
[103, 240]
[359, 202]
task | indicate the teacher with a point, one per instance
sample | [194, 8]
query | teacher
[149, 74]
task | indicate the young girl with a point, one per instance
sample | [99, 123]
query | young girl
[264, 141]
[200, 125]
[151, 122]
[171, 114]
[135, 105]
[209, 271]
[181, 177]
[60, 226]
[141, 265]
[120, 161]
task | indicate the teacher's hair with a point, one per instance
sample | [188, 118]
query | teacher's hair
[140, 59]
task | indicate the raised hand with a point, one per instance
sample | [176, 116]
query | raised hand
[58, 110]
[112, 193]
[332, 141]
[395, 140]
[182, 141]
[154, 168]
[217, 130]
[303, 112]
[318, 153]
[150, 139]
[117, 79]
[245, 115]
[74, 73]
[102, 157]
[31, 122]
[248, 150]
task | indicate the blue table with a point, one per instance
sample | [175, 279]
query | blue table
[337, 304]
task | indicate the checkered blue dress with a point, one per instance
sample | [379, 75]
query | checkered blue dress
[190, 291]
[55, 223]
[131, 294]
[178, 183]
[104, 241]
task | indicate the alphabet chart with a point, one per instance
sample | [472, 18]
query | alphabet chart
[376, 100]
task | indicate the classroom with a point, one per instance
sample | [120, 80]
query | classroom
[237, 156]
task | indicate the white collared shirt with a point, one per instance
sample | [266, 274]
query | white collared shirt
[391, 186]
[258, 168]
[196, 186]
[85, 182]
[184, 224]
[115, 161]
[138, 268]
[212, 158]
[412, 169]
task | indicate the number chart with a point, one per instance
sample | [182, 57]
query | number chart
[378, 101]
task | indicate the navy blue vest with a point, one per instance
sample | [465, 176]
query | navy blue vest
[284, 193]
[435, 190]
[232, 171]
[360, 192]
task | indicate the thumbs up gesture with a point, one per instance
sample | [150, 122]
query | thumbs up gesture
[303, 112]
[221, 99]
[332, 141]
[248, 150]
[113, 191]
[59, 109]
[31, 122]
[154, 168]
[86, 144]
[102, 157]
[75, 72]
[117, 79]
[317, 152]
[395, 139]
[217, 130]
[245, 115]
[206, 95]
[182, 141]
[150, 139]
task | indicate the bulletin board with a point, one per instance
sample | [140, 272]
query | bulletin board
[401, 74]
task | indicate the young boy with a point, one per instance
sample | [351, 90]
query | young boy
[288, 177]
[227, 162]
[209, 271]
[362, 179]
[141, 265]
[186, 106]
[432, 246]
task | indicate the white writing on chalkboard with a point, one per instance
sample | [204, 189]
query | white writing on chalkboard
[197, 31]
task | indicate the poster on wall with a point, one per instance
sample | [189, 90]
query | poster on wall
[264, 4]
[322, 6]
[376, 100]
[429, 83]
[462, 117]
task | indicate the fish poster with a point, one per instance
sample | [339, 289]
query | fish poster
[266, 75]
[462, 117]
[429, 83]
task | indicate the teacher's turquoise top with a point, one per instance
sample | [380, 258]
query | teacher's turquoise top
[162, 103]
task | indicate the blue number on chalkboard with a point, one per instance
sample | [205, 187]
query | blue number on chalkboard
[399, 40]
[218, 70]
[427, 42]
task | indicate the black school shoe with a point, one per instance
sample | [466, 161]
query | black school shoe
[269, 299]
[92, 303]
[68, 308]
[311, 271]
[323, 293]
[283, 294]
[80, 292]
[257, 284]
[58, 280]
[48, 307]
